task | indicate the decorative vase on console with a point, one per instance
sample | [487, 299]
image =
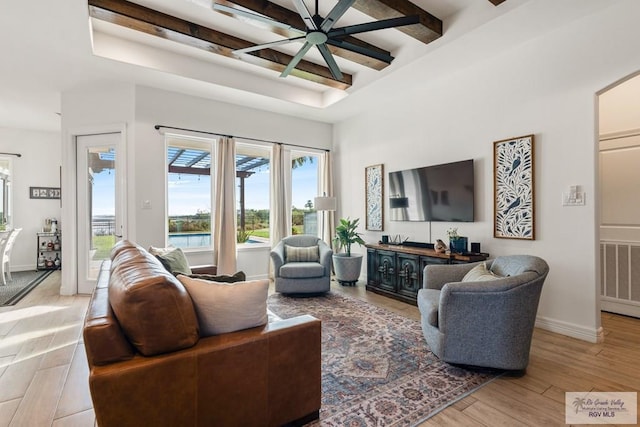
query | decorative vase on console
[457, 243]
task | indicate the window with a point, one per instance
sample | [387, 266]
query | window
[5, 193]
[304, 188]
[189, 192]
[252, 197]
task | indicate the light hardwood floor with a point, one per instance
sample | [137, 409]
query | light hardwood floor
[43, 370]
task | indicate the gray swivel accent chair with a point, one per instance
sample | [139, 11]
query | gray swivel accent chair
[482, 323]
[304, 271]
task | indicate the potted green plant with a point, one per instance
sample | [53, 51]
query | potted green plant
[347, 266]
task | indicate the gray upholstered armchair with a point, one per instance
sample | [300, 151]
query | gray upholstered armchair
[486, 323]
[302, 265]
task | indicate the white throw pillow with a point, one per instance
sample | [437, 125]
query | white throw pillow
[302, 254]
[479, 273]
[227, 307]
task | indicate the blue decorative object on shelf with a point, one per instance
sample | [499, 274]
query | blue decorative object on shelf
[458, 245]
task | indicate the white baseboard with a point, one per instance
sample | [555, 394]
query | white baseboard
[614, 305]
[26, 267]
[570, 329]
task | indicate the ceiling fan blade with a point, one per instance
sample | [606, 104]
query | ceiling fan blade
[361, 50]
[331, 62]
[373, 26]
[251, 15]
[301, 53]
[305, 14]
[335, 14]
[267, 45]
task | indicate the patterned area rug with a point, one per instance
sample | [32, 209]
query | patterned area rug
[376, 367]
[23, 282]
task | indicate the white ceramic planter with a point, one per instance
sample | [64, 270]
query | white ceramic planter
[347, 268]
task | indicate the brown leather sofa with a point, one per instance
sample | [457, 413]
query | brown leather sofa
[149, 366]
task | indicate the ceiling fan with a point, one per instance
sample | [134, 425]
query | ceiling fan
[320, 32]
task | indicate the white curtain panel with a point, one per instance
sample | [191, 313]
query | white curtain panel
[225, 213]
[286, 168]
[326, 184]
[278, 220]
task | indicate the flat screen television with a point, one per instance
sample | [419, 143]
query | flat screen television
[433, 193]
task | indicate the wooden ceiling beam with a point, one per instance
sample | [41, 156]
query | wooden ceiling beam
[292, 18]
[428, 30]
[149, 21]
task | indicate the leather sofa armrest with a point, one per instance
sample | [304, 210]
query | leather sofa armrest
[295, 369]
[204, 269]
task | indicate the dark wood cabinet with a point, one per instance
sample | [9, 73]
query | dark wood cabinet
[408, 267]
[386, 271]
[396, 271]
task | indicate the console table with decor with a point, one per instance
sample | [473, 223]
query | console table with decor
[396, 270]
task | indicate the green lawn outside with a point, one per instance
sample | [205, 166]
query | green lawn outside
[264, 232]
[102, 245]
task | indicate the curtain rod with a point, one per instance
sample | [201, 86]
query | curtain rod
[12, 154]
[158, 127]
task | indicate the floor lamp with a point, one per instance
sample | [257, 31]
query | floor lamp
[322, 204]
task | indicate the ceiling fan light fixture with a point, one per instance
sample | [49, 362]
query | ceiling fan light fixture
[316, 37]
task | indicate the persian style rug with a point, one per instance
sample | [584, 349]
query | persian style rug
[376, 367]
[21, 284]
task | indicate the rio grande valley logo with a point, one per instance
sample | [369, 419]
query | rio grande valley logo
[601, 408]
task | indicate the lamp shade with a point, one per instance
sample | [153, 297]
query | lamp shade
[324, 203]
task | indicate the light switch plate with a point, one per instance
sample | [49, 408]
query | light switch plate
[146, 204]
[573, 199]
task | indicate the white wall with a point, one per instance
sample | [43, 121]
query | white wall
[620, 188]
[39, 166]
[545, 86]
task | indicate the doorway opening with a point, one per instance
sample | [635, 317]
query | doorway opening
[619, 190]
[93, 202]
